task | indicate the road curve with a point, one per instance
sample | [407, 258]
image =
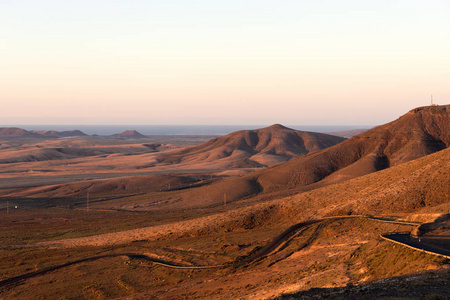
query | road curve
[405, 240]
[289, 232]
[285, 235]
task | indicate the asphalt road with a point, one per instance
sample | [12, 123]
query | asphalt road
[284, 236]
[261, 253]
[406, 239]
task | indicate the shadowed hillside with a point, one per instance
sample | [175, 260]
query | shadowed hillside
[409, 187]
[253, 148]
[269, 145]
[420, 132]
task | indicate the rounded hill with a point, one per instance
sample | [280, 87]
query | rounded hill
[130, 134]
[253, 148]
[14, 132]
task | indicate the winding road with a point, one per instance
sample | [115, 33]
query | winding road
[266, 250]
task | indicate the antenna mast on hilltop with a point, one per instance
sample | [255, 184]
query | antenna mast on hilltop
[432, 104]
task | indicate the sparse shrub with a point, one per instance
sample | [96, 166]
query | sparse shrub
[434, 297]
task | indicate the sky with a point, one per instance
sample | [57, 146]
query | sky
[321, 62]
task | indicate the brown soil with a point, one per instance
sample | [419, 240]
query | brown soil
[330, 254]
[398, 169]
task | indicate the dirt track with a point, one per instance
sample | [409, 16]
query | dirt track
[277, 241]
[168, 264]
[284, 236]
[264, 251]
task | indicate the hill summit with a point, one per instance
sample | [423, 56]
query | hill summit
[130, 134]
[13, 132]
[253, 148]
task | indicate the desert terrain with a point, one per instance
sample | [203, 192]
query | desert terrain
[256, 214]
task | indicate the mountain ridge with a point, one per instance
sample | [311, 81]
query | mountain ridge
[420, 132]
[15, 132]
[416, 134]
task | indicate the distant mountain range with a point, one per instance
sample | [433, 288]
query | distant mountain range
[241, 149]
[59, 134]
[14, 132]
[313, 160]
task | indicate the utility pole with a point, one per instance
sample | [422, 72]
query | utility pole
[224, 204]
[87, 202]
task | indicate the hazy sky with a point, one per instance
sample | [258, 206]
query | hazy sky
[221, 62]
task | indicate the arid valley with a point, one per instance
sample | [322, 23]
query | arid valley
[255, 214]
